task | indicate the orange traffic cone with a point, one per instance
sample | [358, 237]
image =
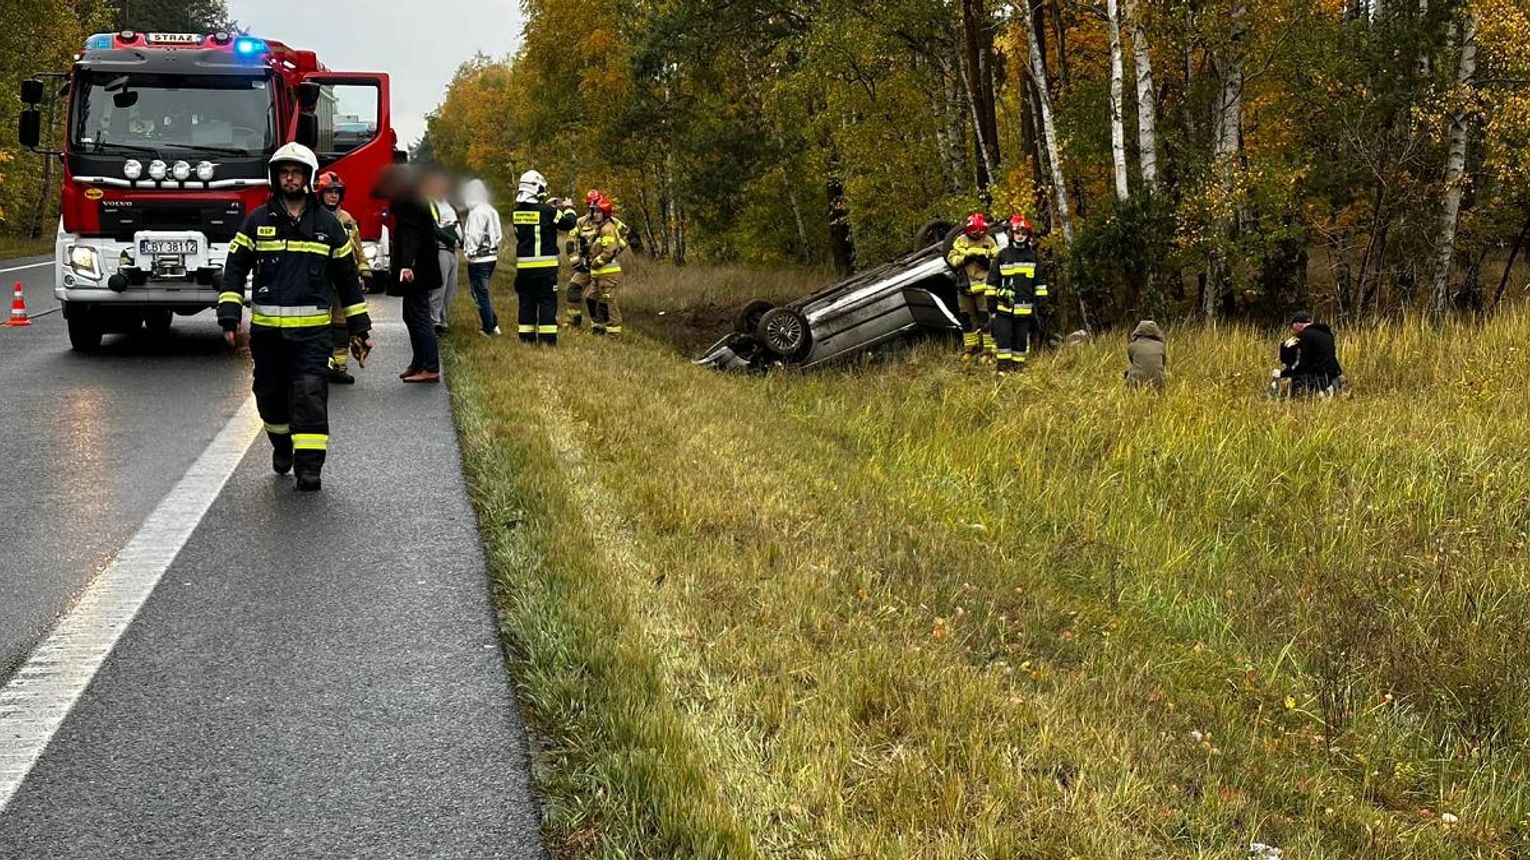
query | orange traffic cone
[18, 309]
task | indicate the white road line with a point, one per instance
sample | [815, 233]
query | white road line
[34, 703]
[24, 268]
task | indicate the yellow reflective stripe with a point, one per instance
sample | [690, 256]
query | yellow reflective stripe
[535, 263]
[527, 217]
[294, 245]
[241, 241]
[614, 329]
[1023, 310]
[547, 329]
[310, 441]
[344, 250]
[236, 298]
[279, 429]
[352, 310]
[1041, 291]
[612, 269]
[303, 321]
[526, 329]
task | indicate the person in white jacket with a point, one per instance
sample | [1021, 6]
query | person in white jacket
[481, 236]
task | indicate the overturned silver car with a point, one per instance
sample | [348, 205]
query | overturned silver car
[913, 293]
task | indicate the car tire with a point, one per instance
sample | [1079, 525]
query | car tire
[84, 331]
[158, 321]
[784, 332]
[748, 319]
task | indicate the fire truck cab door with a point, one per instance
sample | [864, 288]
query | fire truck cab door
[354, 137]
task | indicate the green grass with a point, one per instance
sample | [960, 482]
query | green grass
[914, 611]
[12, 247]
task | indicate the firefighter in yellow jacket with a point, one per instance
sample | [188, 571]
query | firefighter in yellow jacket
[606, 247]
[331, 191]
[970, 256]
[580, 294]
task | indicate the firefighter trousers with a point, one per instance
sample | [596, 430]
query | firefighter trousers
[972, 310]
[580, 298]
[537, 290]
[292, 391]
[608, 312]
[340, 335]
[1012, 339]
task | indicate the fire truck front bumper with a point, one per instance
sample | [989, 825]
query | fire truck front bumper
[173, 268]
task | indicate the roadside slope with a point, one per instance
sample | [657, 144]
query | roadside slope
[914, 611]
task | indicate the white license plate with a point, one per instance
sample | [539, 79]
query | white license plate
[155, 247]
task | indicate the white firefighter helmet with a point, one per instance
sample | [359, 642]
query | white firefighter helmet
[533, 187]
[294, 153]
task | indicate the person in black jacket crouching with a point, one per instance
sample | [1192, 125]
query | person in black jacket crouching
[416, 269]
[1309, 359]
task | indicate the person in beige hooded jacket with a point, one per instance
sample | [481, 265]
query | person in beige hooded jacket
[1149, 357]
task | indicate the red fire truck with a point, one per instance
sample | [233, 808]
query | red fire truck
[164, 143]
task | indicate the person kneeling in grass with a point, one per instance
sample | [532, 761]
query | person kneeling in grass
[1148, 355]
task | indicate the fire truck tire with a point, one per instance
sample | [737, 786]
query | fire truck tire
[158, 321]
[84, 330]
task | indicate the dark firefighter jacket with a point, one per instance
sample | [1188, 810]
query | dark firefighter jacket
[1016, 280]
[536, 236]
[1312, 362]
[297, 265]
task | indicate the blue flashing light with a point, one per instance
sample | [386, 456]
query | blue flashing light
[245, 46]
[99, 42]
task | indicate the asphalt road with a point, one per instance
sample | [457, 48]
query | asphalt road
[314, 675]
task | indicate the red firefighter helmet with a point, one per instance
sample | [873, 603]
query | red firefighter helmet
[327, 180]
[592, 197]
[977, 225]
[605, 205]
[1019, 223]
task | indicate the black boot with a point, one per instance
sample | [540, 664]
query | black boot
[340, 376]
[308, 482]
[281, 461]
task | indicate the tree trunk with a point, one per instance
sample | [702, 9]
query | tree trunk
[1228, 125]
[1455, 168]
[1117, 94]
[982, 169]
[841, 246]
[791, 199]
[1147, 98]
[1503, 282]
[1049, 132]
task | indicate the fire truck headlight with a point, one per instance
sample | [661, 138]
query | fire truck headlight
[133, 168]
[205, 171]
[181, 171]
[157, 169]
[83, 260]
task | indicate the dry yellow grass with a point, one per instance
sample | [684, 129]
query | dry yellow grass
[914, 611]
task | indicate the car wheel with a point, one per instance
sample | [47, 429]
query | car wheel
[84, 331]
[784, 332]
[158, 321]
[931, 232]
[748, 319]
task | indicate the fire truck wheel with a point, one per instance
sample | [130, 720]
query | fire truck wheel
[158, 321]
[84, 331]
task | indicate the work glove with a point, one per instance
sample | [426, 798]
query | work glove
[361, 347]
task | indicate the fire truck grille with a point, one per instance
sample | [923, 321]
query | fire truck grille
[219, 222]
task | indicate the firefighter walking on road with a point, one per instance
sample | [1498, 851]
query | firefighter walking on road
[1013, 282]
[581, 293]
[606, 247]
[331, 191]
[298, 256]
[537, 225]
[970, 256]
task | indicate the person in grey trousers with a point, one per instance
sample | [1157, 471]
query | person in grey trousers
[448, 240]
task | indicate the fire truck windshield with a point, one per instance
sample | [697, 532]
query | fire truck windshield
[173, 114]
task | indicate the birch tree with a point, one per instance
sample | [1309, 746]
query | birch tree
[1117, 94]
[1226, 144]
[1147, 98]
[1048, 126]
[1455, 165]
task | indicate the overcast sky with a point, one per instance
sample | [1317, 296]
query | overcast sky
[419, 43]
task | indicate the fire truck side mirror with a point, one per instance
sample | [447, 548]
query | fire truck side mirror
[31, 92]
[29, 130]
[308, 130]
[308, 95]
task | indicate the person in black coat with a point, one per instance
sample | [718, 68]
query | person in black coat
[1309, 358]
[416, 270]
